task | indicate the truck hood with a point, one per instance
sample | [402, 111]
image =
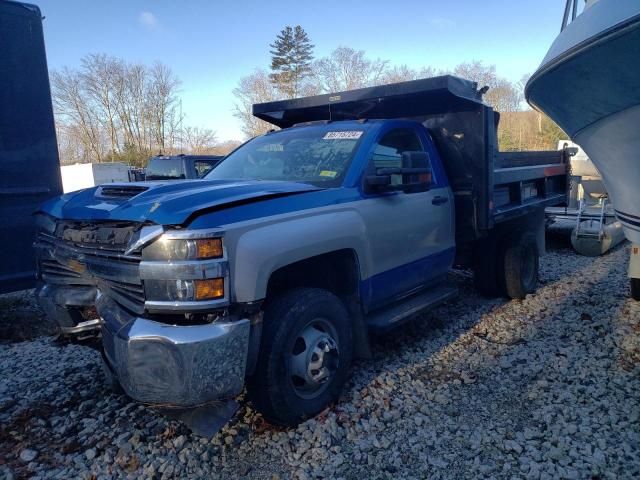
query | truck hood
[164, 203]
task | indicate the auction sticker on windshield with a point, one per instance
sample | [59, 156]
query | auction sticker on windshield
[344, 135]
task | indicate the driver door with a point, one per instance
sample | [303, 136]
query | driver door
[410, 233]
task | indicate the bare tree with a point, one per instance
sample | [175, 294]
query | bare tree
[115, 110]
[162, 102]
[98, 75]
[70, 146]
[403, 73]
[503, 95]
[346, 69]
[69, 101]
[224, 148]
[199, 141]
[254, 88]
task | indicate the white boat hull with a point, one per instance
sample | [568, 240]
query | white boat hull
[615, 142]
[589, 84]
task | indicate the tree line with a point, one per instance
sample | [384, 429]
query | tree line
[109, 109]
[112, 110]
[295, 72]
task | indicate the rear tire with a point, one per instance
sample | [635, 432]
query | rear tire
[486, 267]
[634, 284]
[521, 265]
[305, 355]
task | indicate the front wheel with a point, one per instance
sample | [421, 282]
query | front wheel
[305, 356]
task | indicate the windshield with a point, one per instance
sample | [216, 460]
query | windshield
[318, 155]
[165, 169]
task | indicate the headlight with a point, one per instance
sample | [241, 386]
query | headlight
[184, 290]
[171, 249]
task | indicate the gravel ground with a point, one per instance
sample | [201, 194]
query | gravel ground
[547, 387]
[21, 318]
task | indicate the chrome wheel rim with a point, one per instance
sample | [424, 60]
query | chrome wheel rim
[313, 358]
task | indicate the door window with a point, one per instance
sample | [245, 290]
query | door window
[203, 167]
[388, 151]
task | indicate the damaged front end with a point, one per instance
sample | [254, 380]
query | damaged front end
[75, 259]
[160, 300]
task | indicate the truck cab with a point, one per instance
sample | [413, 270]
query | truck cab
[180, 167]
[275, 267]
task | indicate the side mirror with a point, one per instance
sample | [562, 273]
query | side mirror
[415, 172]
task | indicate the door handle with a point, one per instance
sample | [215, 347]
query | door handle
[439, 200]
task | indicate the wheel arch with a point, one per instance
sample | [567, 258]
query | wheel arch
[262, 251]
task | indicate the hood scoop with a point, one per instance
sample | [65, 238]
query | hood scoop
[120, 191]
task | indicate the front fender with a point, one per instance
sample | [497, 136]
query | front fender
[263, 250]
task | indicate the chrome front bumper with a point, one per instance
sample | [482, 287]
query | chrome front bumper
[173, 366]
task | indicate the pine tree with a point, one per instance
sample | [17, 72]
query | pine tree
[291, 56]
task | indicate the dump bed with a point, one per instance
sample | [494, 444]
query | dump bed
[489, 186]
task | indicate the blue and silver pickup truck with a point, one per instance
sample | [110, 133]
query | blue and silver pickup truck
[273, 270]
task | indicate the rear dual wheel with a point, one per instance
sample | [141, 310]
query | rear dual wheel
[521, 264]
[507, 266]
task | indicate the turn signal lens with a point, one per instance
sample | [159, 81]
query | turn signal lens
[209, 248]
[209, 289]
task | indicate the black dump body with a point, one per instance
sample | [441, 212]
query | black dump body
[490, 187]
[29, 166]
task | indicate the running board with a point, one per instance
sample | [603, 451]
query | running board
[389, 317]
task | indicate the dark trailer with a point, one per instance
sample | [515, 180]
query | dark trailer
[490, 187]
[29, 166]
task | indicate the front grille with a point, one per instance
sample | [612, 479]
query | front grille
[93, 255]
[53, 271]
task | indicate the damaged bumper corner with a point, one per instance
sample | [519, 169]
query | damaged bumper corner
[63, 304]
[171, 365]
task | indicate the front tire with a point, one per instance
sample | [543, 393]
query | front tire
[305, 355]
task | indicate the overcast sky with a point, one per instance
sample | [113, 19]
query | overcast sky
[211, 44]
